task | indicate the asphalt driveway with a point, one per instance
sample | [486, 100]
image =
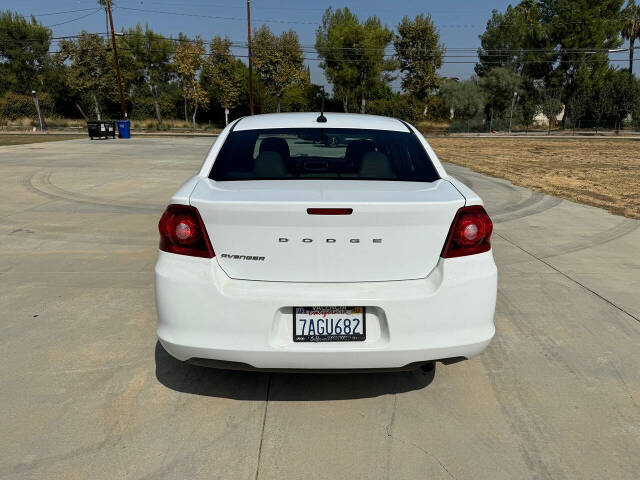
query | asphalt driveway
[86, 392]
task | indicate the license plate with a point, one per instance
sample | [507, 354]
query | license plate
[329, 324]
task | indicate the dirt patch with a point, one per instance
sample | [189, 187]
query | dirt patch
[8, 139]
[600, 172]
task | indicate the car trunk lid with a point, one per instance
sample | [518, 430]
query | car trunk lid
[261, 230]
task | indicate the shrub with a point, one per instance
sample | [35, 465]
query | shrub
[14, 106]
[143, 107]
[406, 107]
[464, 126]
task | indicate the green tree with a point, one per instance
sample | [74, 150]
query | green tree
[302, 96]
[353, 55]
[575, 27]
[528, 109]
[222, 72]
[516, 39]
[635, 114]
[145, 58]
[624, 95]
[398, 105]
[419, 55]
[577, 106]
[499, 85]
[463, 99]
[89, 73]
[559, 43]
[514, 55]
[24, 47]
[188, 60]
[600, 102]
[54, 82]
[550, 105]
[278, 60]
[631, 27]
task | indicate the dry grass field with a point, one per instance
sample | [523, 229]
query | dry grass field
[600, 172]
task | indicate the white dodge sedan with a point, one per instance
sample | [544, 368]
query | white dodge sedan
[328, 242]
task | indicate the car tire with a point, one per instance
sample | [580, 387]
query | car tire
[428, 368]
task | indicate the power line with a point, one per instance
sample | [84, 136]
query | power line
[74, 19]
[280, 21]
[472, 53]
[387, 50]
[242, 19]
[391, 50]
[319, 9]
[48, 14]
[216, 17]
[346, 60]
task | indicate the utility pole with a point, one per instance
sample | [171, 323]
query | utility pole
[513, 103]
[106, 19]
[249, 49]
[43, 125]
[117, 59]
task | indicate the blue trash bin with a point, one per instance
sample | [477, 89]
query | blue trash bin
[124, 128]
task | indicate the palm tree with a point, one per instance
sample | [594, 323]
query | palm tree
[631, 27]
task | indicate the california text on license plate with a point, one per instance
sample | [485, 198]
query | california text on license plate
[329, 324]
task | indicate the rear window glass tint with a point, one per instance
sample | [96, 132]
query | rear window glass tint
[316, 153]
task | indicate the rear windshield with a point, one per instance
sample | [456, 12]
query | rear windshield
[317, 153]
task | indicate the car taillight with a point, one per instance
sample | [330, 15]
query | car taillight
[182, 231]
[470, 233]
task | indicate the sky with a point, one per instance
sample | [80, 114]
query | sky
[459, 21]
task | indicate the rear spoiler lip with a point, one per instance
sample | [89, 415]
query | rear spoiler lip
[471, 198]
[458, 190]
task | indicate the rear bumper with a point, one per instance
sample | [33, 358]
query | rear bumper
[203, 314]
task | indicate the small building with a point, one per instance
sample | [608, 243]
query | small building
[540, 120]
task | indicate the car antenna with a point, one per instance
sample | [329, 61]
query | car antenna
[322, 118]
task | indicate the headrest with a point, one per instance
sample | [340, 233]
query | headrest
[356, 149]
[269, 165]
[275, 144]
[376, 165]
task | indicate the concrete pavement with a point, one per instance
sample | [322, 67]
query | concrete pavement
[87, 392]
